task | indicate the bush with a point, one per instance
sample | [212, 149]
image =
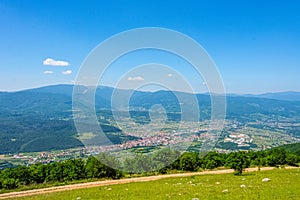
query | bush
[10, 183]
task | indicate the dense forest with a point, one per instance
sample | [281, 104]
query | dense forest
[91, 169]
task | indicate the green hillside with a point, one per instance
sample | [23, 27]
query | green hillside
[31, 120]
[284, 184]
[293, 148]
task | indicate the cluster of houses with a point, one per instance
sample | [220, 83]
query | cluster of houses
[242, 140]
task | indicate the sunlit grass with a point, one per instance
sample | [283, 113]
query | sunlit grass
[284, 184]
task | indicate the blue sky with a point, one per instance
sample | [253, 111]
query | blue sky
[255, 44]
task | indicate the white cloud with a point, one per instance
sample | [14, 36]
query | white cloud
[137, 78]
[52, 62]
[48, 72]
[67, 72]
[170, 75]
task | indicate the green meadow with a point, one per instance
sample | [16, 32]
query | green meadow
[283, 184]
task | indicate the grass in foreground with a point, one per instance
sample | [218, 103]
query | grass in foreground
[284, 184]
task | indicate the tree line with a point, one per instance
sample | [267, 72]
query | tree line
[161, 162]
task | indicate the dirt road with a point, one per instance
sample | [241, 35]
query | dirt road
[121, 181]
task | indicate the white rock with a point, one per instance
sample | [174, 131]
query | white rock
[224, 191]
[243, 186]
[195, 199]
[266, 180]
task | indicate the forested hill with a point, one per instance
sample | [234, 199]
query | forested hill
[293, 148]
[32, 120]
[56, 101]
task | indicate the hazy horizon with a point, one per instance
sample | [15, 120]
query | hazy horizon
[145, 90]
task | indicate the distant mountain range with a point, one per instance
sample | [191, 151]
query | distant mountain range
[285, 96]
[41, 119]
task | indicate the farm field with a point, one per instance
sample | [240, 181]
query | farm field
[283, 184]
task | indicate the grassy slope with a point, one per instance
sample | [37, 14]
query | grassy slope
[284, 184]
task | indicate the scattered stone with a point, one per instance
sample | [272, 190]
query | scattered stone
[218, 183]
[126, 189]
[195, 199]
[266, 180]
[109, 189]
[243, 186]
[78, 198]
[243, 179]
[225, 191]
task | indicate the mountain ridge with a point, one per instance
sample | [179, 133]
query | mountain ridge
[39, 113]
[68, 89]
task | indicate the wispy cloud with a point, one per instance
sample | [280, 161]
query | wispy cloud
[67, 72]
[48, 72]
[52, 62]
[137, 78]
[170, 75]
